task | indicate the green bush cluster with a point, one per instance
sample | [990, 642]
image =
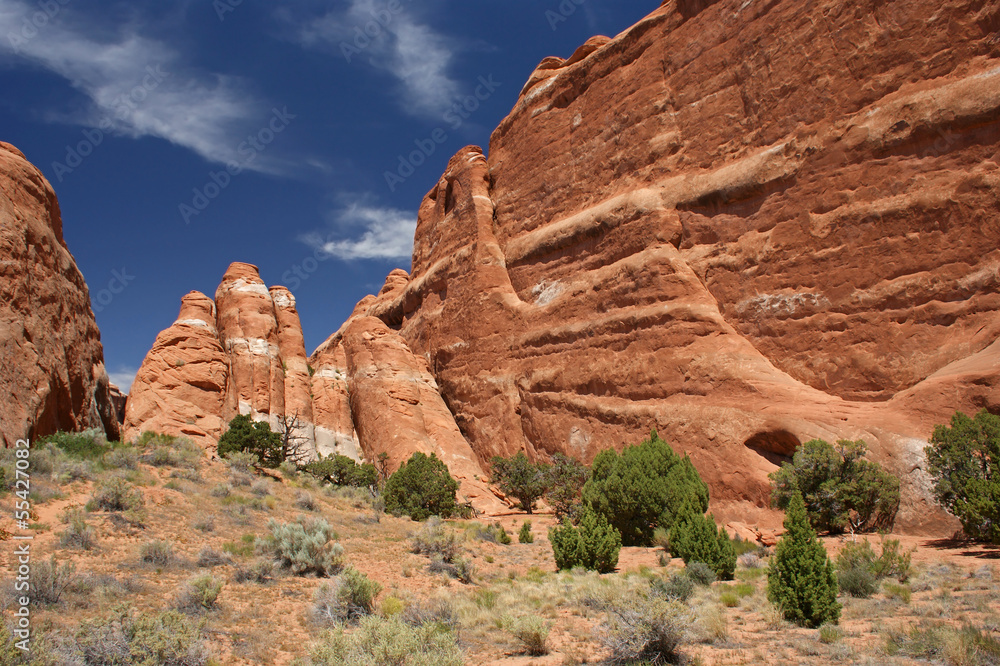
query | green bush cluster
[593, 545]
[801, 580]
[422, 487]
[434, 538]
[199, 594]
[255, 437]
[525, 535]
[859, 569]
[520, 478]
[388, 641]
[338, 470]
[153, 639]
[964, 460]
[306, 547]
[642, 489]
[840, 488]
[348, 597]
[695, 538]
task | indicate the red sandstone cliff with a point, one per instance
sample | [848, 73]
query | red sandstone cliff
[743, 224]
[52, 374]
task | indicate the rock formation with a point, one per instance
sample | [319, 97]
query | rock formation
[745, 225]
[52, 374]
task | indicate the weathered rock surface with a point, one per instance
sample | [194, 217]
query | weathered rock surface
[743, 224]
[398, 409]
[184, 385]
[52, 374]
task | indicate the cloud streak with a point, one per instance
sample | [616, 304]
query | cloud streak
[199, 111]
[417, 56]
[379, 233]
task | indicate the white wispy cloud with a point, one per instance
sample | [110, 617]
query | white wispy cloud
[123, 378]
[408, 49]
[364, 230]
[139, 85]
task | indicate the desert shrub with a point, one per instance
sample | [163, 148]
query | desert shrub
[857, 582]
[260, 488]
[750, 561]
[388, 642]
[432, 611]
[695, 538]
[221, 490]
[678, 587]
[859, 569]
[242, 462]
[966, 645]
[254, 437]
[521, 479]
[78, 533]
[116, 494]
[897, 591]
[199, 594]
[89, 444]
[435, 538]
[964, 461]
[531, 633]
[801, 579]
[260, 571]
[525, 535]
[494, 533]
[157, 553]
[829, 633]
[646, 630]
[347, 597]
[593, 545]
[340, 470]
[153, 639]
[304, 500]
[700, 573]
[422, 487]
[840, 488]
[642, 488]
[49, 580]
[209, 557]
[124, 457]
[306, 547]
[661, 539]
[566, 477]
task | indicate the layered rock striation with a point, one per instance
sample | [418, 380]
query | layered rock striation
[52, 374]
[743, 224]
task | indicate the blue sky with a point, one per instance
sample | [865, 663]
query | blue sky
[182, 136]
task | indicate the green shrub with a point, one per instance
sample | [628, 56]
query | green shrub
[859, 570]
[840, 488]
[304, 500]
[645, 630]
[678, 587]
[199, 594]
[964, 461]
[521, 479]
[340, 470]
[422, 487]
[388, 642]
[530, 631]
[254, 437]
[525, 535]
[593, 545]
[154, 639]
[116, 494]
[258, 572]
[348, 597]
[495, 533]
[209, 557]
[124, 457]
[695, 538]
[566, 477]
[306, 547]
[78, 533]
[700, 573]
[829, 633]
[242, 462]
[642, 488]
[940, 642]
[897, 591]
[49, 580]
[801, 579]
[89, 444]
[857, 581]
[157, 553]
[434, 538]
